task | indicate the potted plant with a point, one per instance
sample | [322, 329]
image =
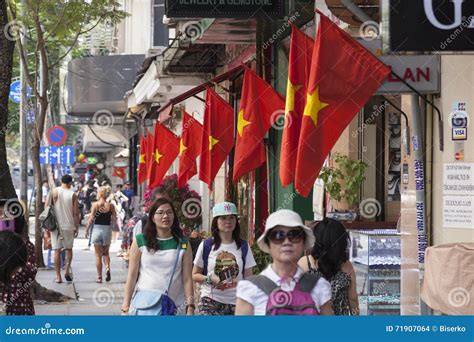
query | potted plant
[342, 182]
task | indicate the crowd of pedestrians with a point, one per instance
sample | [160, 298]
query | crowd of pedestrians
[309, 273]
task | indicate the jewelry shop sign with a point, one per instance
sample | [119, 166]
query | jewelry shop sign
[458, 195]
[224, 8]
[429, 25]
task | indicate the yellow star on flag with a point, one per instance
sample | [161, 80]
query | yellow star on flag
[212, 142]
[241, 123]
[182, 148]
[158, 156]
[314, 106]
[290, 97]
[142, 159]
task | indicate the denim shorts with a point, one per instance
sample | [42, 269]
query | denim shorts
[101, 235]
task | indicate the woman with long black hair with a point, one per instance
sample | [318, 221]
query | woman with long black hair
[330, 259]
[221, 261]
[160, 263]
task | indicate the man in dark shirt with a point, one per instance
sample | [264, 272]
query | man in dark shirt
[128, 191]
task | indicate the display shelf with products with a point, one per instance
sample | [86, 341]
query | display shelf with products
[375, 254]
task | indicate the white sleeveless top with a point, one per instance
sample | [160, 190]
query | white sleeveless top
[63, 209]
[156, 268]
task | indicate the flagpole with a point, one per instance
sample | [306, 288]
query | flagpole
[440, 118]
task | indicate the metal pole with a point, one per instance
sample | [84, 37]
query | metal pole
[23, 123]
[418, 154]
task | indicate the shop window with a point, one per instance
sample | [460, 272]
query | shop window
[380, 148]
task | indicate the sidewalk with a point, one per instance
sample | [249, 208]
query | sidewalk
[89, 298]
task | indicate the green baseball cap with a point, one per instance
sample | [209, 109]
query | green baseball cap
[224, 209]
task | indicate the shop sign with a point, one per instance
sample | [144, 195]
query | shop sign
[459, 121]
[421, 71]
[92, 160]
[224, 8]
[121, 162]
[80, 169]
[458, 195]
[429, 25]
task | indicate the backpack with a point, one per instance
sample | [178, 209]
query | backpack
[47, 218]
[296, 302]
[207, 250]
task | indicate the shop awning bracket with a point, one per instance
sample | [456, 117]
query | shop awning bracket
[199, 98]
[440, 118]
[407, 132]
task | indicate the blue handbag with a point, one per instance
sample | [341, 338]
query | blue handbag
[155, 303]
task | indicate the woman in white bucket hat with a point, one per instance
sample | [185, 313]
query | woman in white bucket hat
[283, 288]
[221, 261]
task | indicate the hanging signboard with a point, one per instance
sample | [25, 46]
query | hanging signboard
[421, 71]
[428, 25]
[224, 8]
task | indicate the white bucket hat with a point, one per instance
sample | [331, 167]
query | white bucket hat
[287, 218]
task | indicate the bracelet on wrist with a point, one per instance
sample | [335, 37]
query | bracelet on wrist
[208, 280]
[190, 306]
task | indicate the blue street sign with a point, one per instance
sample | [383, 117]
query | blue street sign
[54, 155]
[15, 91]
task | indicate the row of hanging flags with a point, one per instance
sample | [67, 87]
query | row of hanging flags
[329, 81]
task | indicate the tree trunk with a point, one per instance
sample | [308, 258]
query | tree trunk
[38, 202]
[37, 137]
[7, 46]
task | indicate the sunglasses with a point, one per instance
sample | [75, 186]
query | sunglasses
[279, 236]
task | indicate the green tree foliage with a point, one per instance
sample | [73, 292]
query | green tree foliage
[53, 29]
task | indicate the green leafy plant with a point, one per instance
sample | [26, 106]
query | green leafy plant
[344, 178]
[187, 203]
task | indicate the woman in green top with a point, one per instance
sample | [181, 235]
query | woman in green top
[153, 258]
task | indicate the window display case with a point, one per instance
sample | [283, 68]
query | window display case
[375, 255]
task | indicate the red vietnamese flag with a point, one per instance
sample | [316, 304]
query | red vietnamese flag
[217, 138]
[142, 169]
[299, 64]
[343, 76]
[166, 149]
[189, 149]
[260, 106]
[150, 144]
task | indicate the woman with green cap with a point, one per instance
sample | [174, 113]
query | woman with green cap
[221, 261]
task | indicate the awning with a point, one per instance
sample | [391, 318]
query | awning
[157, 87]
[226, 31]
[340, 10]
[125, 153]
[228, 75]
[98, 139]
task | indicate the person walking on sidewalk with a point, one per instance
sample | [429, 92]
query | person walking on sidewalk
[103, 215]
[221, 261]
[128, 205]
[330, 259]
[160, 263]
[283, 288]
[66, 208]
